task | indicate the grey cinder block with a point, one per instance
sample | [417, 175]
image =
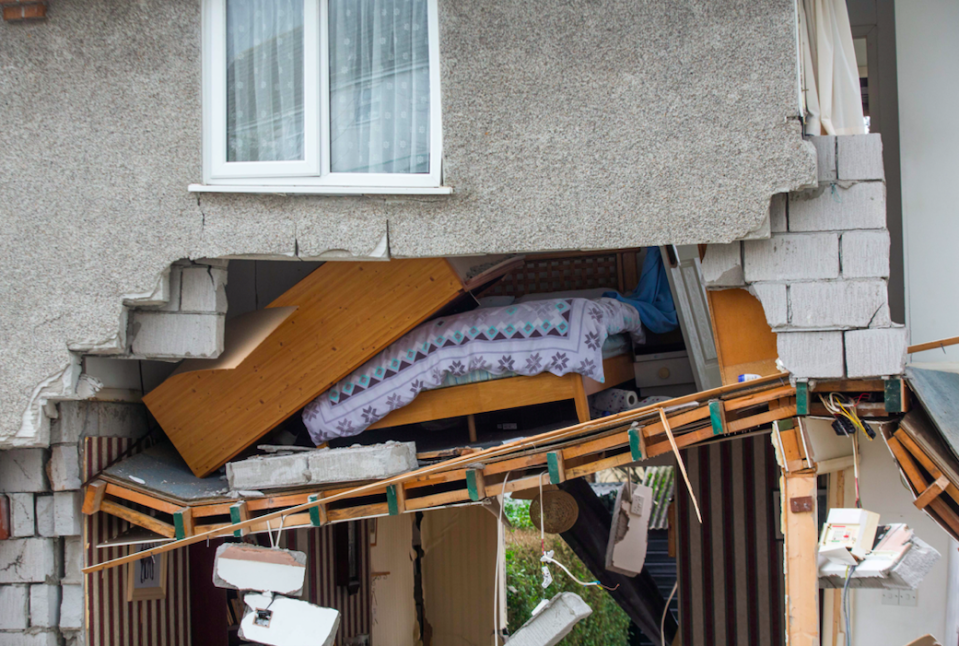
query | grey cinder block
[777, 213]
[175, 336]
[837, 304]
[789, 257]
[875, 352]
[46, 638]
[63, 469]
[839, 207]
[859, 157]
[14, 607]
[45, 521]
[865, 254]
[27, 560]
[722, 265]
[22, 515]
[203, 290]
[323, 466]
[45, 605]
[67, 517]
[773, 299]
[77, 419]
[22, 471]
[811, 355]
[825, 157]
[72, 559]
[71, 607]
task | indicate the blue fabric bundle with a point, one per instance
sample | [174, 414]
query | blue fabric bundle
[652, 297]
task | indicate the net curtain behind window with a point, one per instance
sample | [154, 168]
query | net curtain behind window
[379, 86]
[264, 80]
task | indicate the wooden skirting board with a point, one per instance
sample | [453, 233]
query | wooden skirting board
[568, 453]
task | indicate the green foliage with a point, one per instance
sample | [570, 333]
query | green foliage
[607, 626]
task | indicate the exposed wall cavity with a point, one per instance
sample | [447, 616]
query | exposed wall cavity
[566, 125]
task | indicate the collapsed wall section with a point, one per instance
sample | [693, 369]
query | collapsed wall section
[822, 275]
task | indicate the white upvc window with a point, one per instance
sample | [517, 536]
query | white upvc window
[325, 96]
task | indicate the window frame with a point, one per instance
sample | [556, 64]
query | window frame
[313, 174]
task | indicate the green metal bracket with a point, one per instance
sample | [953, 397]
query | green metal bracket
[315, 511]
[392, 501]
[552, 463]
[802, 397]
[635, 444]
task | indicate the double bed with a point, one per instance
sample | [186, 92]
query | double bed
[541, 348]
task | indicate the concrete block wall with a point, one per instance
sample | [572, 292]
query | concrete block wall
[41, 586]
[189, 322]
[822, 273]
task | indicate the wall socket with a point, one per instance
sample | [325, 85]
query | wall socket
[899, 598]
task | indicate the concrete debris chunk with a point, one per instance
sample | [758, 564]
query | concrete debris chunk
[626, 550]
[323, 466]
[550, 625]
[280, 621]
[250, 567]
[21, 471]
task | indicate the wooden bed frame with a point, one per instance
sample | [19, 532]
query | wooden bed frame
[513, 392]
[540, 273]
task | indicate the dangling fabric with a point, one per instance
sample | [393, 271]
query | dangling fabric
[652, 297]
[831, 90]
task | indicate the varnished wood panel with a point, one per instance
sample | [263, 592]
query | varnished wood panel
[346, 312]
[744, 341]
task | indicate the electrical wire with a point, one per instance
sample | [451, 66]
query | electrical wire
[500, 569]
[845, 602]
[845, 408]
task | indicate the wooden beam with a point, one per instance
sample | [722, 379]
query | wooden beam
[682, 465]
[138, 518]
[717, 416]
[396, 499]
[910, 445]
[475, 484]
[678, 420]
[556, 466]
[745, 423]
[183, 522]
[932, 492]
[238, 513]
[141, 499]
[93, 497]
[933, 345]
[579, 398]
[802, 576]
[471, 424]
[919, 483]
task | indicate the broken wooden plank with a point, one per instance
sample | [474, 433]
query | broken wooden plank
[396, 498]
[932, 492]
[739, 403]
[146, 500]
[183, 522]
[910, 444]
[761, 419]
[556, 466]
[93, 496]
[475, 484]
[287, 369]
[239, 513]
[139, 518]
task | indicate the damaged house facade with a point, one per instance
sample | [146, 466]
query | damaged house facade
[302, 294]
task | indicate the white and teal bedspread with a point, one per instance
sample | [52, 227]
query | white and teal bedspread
[558, 336]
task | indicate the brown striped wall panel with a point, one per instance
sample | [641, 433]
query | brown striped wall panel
[730, 568]
[113, 621]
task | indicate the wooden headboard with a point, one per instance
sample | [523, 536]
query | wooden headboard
[569, 270]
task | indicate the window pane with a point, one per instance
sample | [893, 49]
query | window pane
[379, 86]
[264, 80]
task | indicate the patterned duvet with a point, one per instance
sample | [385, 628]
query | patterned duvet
[558, 336]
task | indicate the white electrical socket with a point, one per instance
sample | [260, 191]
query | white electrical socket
[890, 597]
[908, 598]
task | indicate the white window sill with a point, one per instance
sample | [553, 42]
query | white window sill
[322, 190]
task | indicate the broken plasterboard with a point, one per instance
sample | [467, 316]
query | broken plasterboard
[323, 466]
[239, 566]
[626, 550]
[279, 621]
[553, 622]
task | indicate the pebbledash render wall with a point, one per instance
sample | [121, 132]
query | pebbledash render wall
[822, 274]
[566, 125]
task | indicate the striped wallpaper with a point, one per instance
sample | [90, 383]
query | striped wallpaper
[355, 609]
[110, 619]
[731, 568]
[113, 621]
